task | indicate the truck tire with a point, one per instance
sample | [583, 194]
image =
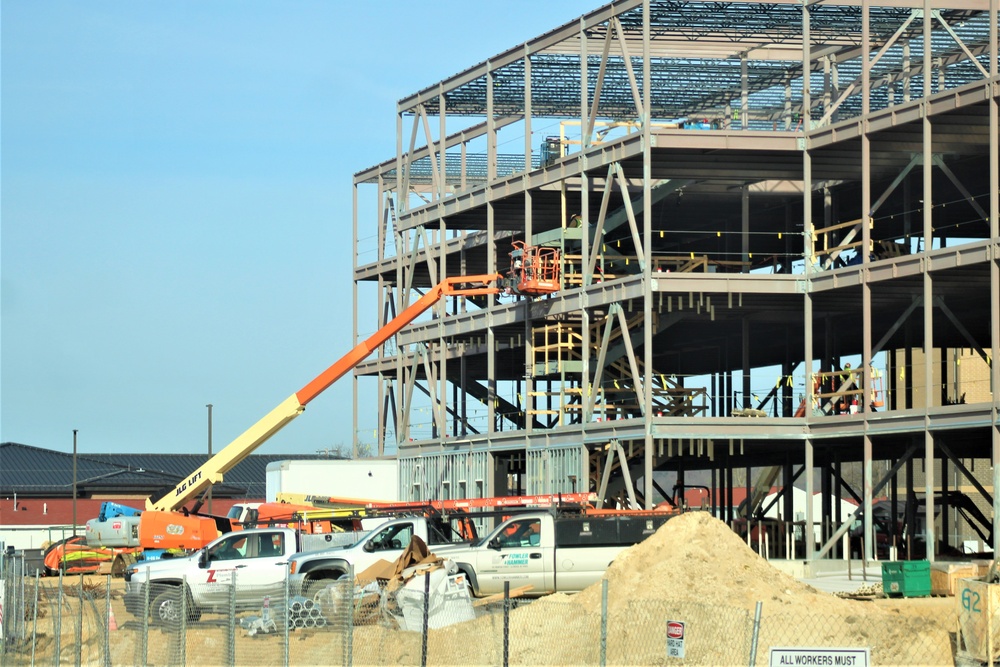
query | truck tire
[165, 608]
[468, 583]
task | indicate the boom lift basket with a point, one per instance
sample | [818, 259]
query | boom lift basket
[534, 270]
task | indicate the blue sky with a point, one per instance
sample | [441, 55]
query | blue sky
[176, 204]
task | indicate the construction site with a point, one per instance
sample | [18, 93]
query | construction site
[745, 249]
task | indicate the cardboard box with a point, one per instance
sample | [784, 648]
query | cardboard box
[945, 576]
[380, 569]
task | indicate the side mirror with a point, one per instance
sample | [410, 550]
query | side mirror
[369, 547]
[203, 558]
[494, 543]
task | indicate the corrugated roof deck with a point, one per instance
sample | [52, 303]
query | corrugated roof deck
[696, 49]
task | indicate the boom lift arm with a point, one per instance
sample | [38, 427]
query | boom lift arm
[213, 470]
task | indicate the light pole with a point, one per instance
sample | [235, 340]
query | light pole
[209, 494]
[74, 481]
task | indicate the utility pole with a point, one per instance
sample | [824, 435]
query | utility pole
[209, 494]
[74, 481]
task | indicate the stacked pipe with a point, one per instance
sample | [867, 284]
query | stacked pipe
[302, 613]
[305, 613]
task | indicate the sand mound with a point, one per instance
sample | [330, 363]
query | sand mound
[693, 569]
[696, 557]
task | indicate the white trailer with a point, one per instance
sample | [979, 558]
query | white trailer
[372, 479]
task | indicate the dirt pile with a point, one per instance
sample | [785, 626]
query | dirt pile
[695, 569]
[697, 558]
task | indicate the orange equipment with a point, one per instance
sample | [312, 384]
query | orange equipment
[176, 530]
[188, 531]
[459, 504]
[305, 518]
[270, 513]
[74, 556]
[534, 270]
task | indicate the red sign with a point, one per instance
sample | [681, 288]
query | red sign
[117, 525]
[675, 630]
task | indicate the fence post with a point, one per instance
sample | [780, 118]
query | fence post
[756, 632]
[231, 639]
[4, 577]
[350, 617]
[58, 630]
[107, 622]
[184, 619]
[22, 625]
[288, 604]
[423, 629]
[34, 619]
[145, 620]
[604, 622]
[78, 629]
[506, 623]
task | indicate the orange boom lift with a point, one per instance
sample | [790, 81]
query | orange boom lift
[163, 526]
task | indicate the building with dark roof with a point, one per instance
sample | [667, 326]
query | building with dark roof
[36, 484]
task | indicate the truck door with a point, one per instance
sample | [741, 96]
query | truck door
[515, 553]
[264, 574]
[256, 560]
[223, 558]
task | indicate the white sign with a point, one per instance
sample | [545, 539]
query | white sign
[820, 657]
[675, 639]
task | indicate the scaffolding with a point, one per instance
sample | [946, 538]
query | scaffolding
[743, 199]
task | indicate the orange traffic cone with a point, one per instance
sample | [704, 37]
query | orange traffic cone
[112, 623]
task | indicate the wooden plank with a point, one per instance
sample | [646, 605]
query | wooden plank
[498, 597]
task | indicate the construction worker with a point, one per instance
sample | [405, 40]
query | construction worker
[519, 534]
[847, 382]
[227, 550]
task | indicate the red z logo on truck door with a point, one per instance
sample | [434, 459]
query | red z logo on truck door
[211, 578]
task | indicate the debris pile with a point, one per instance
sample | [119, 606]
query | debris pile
[393, 593]
[696, 567]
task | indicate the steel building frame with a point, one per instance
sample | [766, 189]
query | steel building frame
[714, 167]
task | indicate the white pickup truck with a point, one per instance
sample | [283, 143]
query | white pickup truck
[312, 571]
[550, 552]
[256, 559]
[547, 550]
[259, 560]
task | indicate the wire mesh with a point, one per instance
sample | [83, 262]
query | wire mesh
[60, 621]
[713, 635]
[892, 639]
[84, 621]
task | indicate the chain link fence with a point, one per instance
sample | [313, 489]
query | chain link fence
[432, 621]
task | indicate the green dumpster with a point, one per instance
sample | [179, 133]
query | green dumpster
[906, 578]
